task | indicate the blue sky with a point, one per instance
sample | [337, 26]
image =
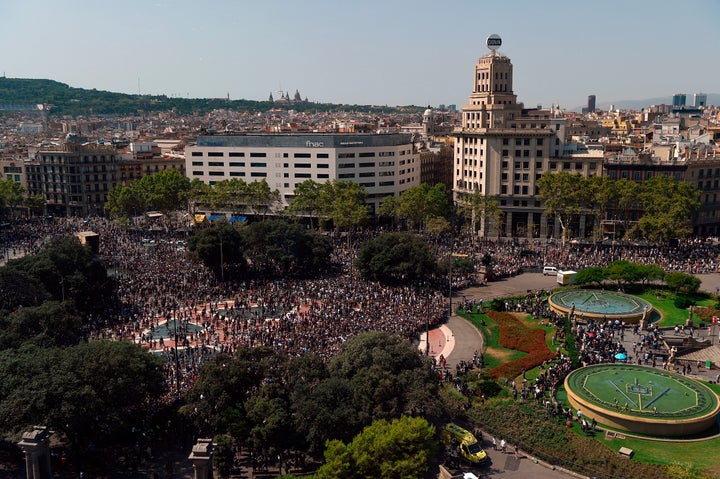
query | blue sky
[391, 52]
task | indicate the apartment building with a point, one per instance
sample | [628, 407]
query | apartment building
[73, 178]
[385, 164]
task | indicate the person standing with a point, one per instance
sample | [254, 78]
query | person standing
[517, 451]
[503, 446]
[494, 444]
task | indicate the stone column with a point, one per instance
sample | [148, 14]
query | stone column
[582, 227]
[36, 446]
[508, 224]
[543, 226]
[200, 456]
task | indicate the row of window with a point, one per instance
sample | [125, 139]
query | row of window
[241, 164]
[364, 154]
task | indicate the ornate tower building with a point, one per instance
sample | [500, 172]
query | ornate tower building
[502, 149]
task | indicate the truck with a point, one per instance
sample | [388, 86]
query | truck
[468, 445]
[566, 277]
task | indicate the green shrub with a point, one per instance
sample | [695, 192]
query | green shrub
[683, 302]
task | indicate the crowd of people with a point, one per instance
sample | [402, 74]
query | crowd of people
[159, 284]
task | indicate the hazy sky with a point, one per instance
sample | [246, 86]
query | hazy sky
[382, 52]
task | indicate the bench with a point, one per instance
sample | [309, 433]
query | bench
[626, 451]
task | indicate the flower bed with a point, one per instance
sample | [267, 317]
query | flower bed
[515, 335]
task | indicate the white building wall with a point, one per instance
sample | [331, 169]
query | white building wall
[382, 170]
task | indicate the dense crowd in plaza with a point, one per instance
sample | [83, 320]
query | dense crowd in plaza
[158, 282]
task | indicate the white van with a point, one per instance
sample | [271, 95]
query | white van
[549, 270]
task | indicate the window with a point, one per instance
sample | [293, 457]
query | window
[197, 163]
[539, 141]
[236, 154]
[258, 174]
[216, 163]
[323, 155]
[257, 155]
[237, 173]
[323, 175]
[368, 185]
[343, 176]
[526, 165]
[258, 165]
[578, 165]
[518, 141]
[197, 173]
[367, 165]
[367, 154]
[553, 165]
[386, 153]
[346, 155]
[506, 141]
[526, 141]
[301, 155]
[237, 164]
[303, 175]
[505, 153]
[216, 153]
[215, 173]
[386, 183]
[566, 165]
[504, 165]
[302, 165]
[346, 165]
[194, 153]
[367, 174]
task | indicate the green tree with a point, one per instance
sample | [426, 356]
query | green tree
[593, 274]
[479, 208]
[669, 206]
[306, 201]
[92, 393]
[11, 195]
[223, 456]
[389, 376]
[396, 258]
[400, 449]
[219, 246]
[565, 196]
[343, 202]
[623, 271]
[420, 202]
[278, 249]
[70, 271]
[124, 201]
[682, 282]
[218, 400]
[651, 272]
[18, 289]
[50, 324]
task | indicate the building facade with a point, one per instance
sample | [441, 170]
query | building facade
[74, 178]
[503, 148]
[385, 164]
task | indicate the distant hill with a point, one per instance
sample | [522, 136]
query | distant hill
[712, 99]
[67, 100]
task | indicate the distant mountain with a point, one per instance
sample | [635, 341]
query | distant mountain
[67, 100]
[712, 99]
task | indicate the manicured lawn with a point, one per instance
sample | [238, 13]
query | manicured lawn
[664, 302]
[698, 454]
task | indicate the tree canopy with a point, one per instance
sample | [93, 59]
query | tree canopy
[400, 449]
[669, 206]
[164, 191]
[396, 258]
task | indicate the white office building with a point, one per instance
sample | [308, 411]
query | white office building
[385, 164]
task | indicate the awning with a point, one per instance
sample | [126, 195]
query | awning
[217, 217]
[199, 218]
[238, 219]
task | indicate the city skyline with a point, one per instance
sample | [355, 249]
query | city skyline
[391, 53]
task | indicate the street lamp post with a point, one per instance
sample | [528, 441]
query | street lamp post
[177, 355]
